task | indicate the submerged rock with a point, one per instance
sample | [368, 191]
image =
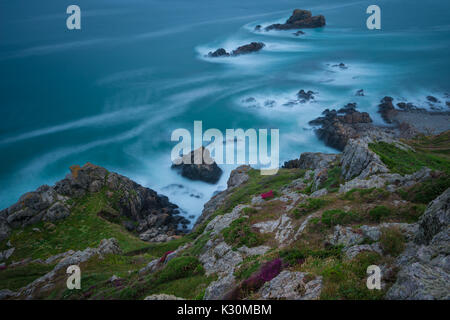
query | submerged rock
[300, 19]
[298, 33]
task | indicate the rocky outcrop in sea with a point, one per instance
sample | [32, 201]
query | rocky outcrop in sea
[207, 170]
[300, 19]
[245, 49]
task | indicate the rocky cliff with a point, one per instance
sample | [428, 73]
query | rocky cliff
[381, 202]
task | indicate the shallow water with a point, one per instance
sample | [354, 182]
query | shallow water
[112, 93]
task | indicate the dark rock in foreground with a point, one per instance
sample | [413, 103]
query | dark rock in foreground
[300, 19]
[245, 49]
[424, 268]
[207, 171]
[136, 204]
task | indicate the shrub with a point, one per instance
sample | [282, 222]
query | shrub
[392, 241]
[246, 270]
[249, 210]
[298, 256]
[267, 272]
[309, 206]
[334, 179]
[239, 234]
[379, 212]
[337, 216]
[426, 191]
[347, 280]
[293, 256]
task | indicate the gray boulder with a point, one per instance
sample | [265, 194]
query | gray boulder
[425, 264]
[435, 219]
[345, 236]
[420, 282]
[311, 160]
[205, 170]
[292, 286]
[217, 289]
[358, 160]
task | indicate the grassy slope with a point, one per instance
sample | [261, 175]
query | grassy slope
[82, 229]
[185, 278]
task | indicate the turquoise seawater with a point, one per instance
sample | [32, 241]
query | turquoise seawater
[113, 92]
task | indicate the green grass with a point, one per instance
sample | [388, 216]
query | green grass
[182, 276]
[249, 266]
[337, 216]
[258, 184]
[426, 191]
[407, 162]
[199, 244]
[82, 229]
[18, 277]
[180, 267]
[367, 195]
[379, 212]
[159, 249]
[293, 255]
[347, 280]
[392, 241]
[189, 288]
[310, 205]
[334, 179]
[239, 234]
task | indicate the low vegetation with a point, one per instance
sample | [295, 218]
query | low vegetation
[239, 234]
[392, 241]
[379, 212]
[407, 162]
[310, 205]
[83, 228]
[334, 217]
